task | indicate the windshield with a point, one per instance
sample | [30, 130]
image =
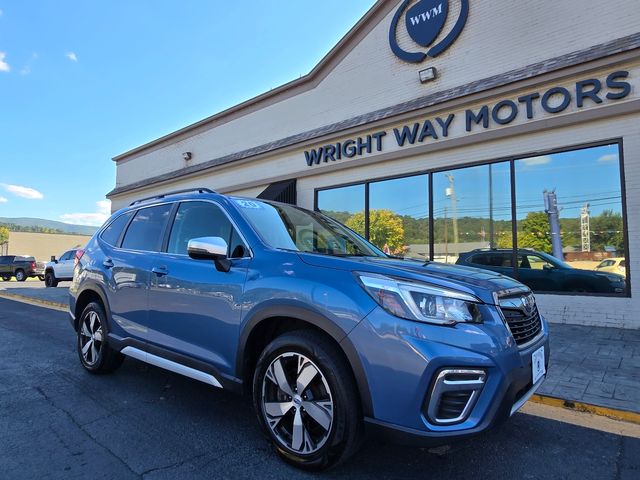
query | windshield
[291, 228]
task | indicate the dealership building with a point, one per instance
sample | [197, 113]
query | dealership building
[450, 131]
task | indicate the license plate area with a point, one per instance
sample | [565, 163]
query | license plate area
[537, 365]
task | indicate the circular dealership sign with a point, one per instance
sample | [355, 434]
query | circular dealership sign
[424, 22]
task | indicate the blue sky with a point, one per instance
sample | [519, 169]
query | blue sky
[83, 81]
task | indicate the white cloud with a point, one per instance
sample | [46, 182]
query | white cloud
[25, 70]
[72, 56]
[94, 219]
[540, 160]
[4, 66]
[3, 199]
[609, 157]
[24, 192]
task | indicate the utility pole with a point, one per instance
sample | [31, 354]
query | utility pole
[584, 228]
[446, 237]
[451, 193]
[491, 231]
[552, 211]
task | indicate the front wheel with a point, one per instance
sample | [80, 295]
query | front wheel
[50, 280]
[306, 401]
[20, 275]
[93, 347]
[41, 277]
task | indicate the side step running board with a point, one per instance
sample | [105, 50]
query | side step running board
[171, 366]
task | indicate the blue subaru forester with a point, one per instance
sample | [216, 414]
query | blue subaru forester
[325, 331]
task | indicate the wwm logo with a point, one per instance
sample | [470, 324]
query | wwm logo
[426, 16]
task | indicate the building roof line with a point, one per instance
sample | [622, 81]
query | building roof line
[595, 52]
[292, 88]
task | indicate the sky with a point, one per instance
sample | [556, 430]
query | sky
[83, 81]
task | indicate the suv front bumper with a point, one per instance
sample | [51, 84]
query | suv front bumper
[402, 360]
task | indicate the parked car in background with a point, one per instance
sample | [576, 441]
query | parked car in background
[613, 265]
[325, 331]
[543, 272]
[21, 267]
[58, 270]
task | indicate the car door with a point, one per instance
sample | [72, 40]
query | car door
[127, 269]
[537, 273]
[5, 265]
[64, 267]
[194, 309]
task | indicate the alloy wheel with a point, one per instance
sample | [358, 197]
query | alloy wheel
[91, 338]
[297, 403]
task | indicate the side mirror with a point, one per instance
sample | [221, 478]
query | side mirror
[210, 248]
[53, 258]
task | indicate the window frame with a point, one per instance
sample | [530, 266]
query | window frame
[618, 141]
[163, 232]
[234, 225]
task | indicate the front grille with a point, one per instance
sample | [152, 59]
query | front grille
[524, 327]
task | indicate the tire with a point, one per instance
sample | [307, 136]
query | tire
[334, 431]
[50, 280]
[20, 275]
[6, 278]
[41, 277]
[93, 349]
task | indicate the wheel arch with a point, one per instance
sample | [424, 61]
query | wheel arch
[268, 323]
[85, 297]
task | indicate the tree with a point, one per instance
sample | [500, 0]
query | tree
[385, 228]
[606, 230]
[536, 232]
[4, 235]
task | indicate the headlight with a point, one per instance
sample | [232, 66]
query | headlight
[421, 302]
[613, 278]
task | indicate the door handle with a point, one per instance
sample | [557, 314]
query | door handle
[160, 271]
[107, 263]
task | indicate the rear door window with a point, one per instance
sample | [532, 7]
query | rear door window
[112, 233]
[146, 230]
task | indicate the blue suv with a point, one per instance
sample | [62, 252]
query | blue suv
[325, 331]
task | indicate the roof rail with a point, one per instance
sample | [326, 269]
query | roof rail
[175, 192]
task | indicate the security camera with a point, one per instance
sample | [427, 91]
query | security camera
[186, 155]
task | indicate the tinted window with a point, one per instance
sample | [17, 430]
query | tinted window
[399, 216]
[623, 263]
[65, 256]
[346, 205]
[569, 205]
[202, 219]
[4, 259]
[111, 234]
[145, 230]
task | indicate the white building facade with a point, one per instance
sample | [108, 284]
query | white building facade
[437, 128]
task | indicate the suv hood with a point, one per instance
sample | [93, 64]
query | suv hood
[476, 281]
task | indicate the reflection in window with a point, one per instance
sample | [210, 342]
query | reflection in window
[399, 216]
[346, 205]
[569, 207]
[471, 210]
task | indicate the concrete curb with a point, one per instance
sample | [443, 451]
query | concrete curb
[34, 301]
[616, 414]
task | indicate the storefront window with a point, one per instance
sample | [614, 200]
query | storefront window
[399, 216]
[345, 204]
[472, 210]
[568, 212]
[569, 215]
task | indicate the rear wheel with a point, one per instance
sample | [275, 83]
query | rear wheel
[50, 279]
[41, 277]
[306, 401]
[6, 278]
[93, 347]
[20, 275]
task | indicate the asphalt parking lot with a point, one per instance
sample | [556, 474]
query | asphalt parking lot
[56, 421]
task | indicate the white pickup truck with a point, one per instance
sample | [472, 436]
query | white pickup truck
[58, 270]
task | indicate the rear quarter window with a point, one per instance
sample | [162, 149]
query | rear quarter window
[146, 229]
[112, 233]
